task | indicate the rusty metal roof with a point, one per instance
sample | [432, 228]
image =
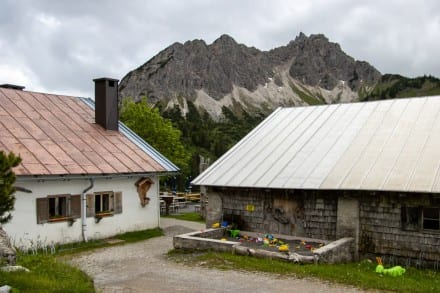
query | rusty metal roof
[391, 145]
[57, 135]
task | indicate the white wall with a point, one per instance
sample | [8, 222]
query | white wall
[24, 230]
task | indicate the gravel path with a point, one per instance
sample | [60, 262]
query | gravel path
[143, 267]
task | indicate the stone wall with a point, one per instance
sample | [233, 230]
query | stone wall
[339, 251]
[203, 240]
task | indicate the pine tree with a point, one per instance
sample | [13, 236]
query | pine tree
[7, 179]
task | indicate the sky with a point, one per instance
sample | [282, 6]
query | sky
[60, 46]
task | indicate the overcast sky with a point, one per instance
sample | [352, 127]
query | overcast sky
[60, 46]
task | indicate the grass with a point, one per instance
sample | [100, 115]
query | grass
[50, 273]
[308, 98]
[127, 237]
[192, 216]
[359, 274]
[47, 274]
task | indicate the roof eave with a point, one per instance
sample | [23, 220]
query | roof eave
[68, 177]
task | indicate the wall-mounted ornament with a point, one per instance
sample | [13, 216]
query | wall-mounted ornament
[142, 186]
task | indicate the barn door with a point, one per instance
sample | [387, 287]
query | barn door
[347, 223]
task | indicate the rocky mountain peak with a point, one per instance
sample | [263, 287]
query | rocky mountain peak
[225, 40]
[195, 70]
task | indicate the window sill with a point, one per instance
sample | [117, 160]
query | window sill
[100, 216]
[60, 219]
[104, 214]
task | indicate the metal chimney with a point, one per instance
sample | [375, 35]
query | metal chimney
[106, 103]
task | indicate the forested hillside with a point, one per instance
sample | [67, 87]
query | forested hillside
[393, 86]
[202, 135]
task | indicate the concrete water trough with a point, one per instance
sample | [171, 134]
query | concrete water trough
[337, 251]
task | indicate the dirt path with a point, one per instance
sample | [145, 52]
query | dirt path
[143, 267]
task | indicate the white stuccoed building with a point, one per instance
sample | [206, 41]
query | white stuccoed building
[84, 175]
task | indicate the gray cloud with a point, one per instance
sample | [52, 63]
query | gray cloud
[59, 46]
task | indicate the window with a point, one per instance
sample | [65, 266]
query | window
[410, 218]
[104, 203]
[55, 208]
[431, 218]
[417, 218]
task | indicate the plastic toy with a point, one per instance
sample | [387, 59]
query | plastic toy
[269, 236]
[394, 271]
[283, 248]
[215, 225]
[234, 233]
[266, 242]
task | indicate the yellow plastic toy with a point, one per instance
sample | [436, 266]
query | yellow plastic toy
[215, 225]
[283, 248]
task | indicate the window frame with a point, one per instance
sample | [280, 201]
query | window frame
[424, 219]
[115, 204]
[405, 218]
[100, 210]
[61, 210]
[408, 225]
[47, 214]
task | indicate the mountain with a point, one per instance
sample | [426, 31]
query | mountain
[308, 70]
[215, 94]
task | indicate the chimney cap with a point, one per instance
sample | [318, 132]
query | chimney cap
[105, 78]
[12, 86]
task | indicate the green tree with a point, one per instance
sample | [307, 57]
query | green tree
[7, 179]
[147, 122]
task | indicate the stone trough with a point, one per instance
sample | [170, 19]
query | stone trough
[337, 251]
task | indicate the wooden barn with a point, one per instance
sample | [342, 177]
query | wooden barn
[365, 170]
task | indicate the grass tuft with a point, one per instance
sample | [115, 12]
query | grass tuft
[192, 216]
[135, 236]
[46, 275]
[128, 237]
[361, 274]
[50, 273]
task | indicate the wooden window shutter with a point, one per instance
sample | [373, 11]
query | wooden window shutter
[90, 205]
[42, 210]
[118, 202]
[75, 206]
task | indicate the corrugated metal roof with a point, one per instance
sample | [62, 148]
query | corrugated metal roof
[383, 145]
[57, 135]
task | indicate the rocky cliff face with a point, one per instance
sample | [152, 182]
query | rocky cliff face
[309, 70]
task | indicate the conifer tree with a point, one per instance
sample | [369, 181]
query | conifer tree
[7, 179]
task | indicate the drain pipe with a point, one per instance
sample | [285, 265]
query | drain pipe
[84, 210]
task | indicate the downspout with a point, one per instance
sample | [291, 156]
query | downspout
[84, 210]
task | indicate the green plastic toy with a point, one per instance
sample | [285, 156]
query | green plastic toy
[234, 233]
[394, 271]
